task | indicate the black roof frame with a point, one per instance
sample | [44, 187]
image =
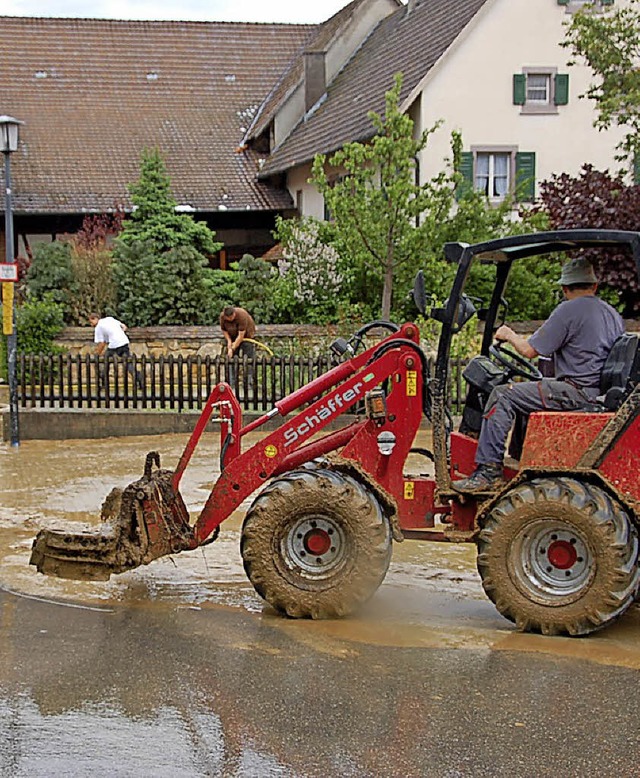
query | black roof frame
[502, 252]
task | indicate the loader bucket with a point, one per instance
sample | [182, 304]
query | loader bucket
[146, 520]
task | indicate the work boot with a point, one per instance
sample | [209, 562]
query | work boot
[485, 478]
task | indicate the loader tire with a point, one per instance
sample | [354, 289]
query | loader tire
[316, 544]
[559, 556]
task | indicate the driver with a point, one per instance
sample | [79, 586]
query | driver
[578, 335]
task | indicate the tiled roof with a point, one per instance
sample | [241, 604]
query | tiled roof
[407, 42]
[317, 41]
[94, 93]
[275, 254]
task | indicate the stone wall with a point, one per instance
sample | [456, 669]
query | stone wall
[203, 341]
[282, 339]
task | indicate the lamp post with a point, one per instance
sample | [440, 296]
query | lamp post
[9, 144]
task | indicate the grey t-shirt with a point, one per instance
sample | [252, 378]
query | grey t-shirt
[579, 335]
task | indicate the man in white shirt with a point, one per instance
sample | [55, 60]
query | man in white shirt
[110, 334]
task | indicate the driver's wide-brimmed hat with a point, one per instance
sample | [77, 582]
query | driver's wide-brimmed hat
[578, 271]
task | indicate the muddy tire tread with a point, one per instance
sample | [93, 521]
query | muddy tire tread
[603, 517]
[366, 526]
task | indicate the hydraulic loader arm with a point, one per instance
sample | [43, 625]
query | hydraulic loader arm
[249, 470]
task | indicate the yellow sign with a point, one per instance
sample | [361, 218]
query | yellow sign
[271, 451]
[7, 308]
[409, 490]
[412, 383]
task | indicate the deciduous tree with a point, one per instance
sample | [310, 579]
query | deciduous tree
[386, 225]
[375, 202]
[610, 45]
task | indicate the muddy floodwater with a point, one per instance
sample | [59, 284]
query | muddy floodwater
[62, 486]
[179, 668]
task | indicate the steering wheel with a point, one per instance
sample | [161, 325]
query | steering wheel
[514, 362]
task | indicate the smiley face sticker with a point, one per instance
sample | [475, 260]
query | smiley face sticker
[271, 451]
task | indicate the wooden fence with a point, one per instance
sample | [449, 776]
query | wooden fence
[173, 383]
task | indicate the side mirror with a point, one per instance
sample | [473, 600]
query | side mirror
[466, 310]
[340, 347]
[420, 293]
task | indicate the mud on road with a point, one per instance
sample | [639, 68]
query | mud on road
[431, 595]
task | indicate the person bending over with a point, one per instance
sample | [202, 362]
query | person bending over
[112, 340]
[236, 325]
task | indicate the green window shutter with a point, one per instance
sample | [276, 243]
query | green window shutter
[636, 168]
[466, 168]
[563, 2]
[519, 88]
[606, 2]
[525, 176]
[561, 91]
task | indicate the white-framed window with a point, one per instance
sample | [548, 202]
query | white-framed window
[576, 5]
[540, 89]
[498, 172]
[492, 173]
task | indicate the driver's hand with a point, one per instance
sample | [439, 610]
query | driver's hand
[504, 333]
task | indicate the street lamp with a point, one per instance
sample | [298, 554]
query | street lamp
[9, 144]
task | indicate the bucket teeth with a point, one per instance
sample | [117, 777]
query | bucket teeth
[145, 521]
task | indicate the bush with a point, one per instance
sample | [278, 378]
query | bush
[313, 283]
[91, 263]
[254, 287]
[51, 274]
[532, 288]
[597, 199]
[38, 323]
[95, 288]
[221, 289]
[160, 288]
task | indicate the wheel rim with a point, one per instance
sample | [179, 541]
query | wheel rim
[552, 560]
[316, 545]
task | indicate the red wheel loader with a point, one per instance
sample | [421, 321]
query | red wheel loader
[557, 543]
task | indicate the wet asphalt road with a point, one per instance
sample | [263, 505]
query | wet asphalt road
[141, 691]
[179, 669]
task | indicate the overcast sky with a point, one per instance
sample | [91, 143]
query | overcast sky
[305, 11]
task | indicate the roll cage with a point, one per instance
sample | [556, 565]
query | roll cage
[502, 252]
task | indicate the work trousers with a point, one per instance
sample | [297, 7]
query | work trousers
[525, 398]
[245, 349]
[122, 351]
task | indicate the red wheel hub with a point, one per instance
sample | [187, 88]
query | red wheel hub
[317, 542]
[562, 554]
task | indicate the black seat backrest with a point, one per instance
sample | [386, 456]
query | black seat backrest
[622, 367]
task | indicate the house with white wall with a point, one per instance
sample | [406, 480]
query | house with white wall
[495, 70]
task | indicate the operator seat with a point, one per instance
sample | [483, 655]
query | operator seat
[620, 372]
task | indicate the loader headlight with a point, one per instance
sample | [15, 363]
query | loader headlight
[340, 347]
[386, 443]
